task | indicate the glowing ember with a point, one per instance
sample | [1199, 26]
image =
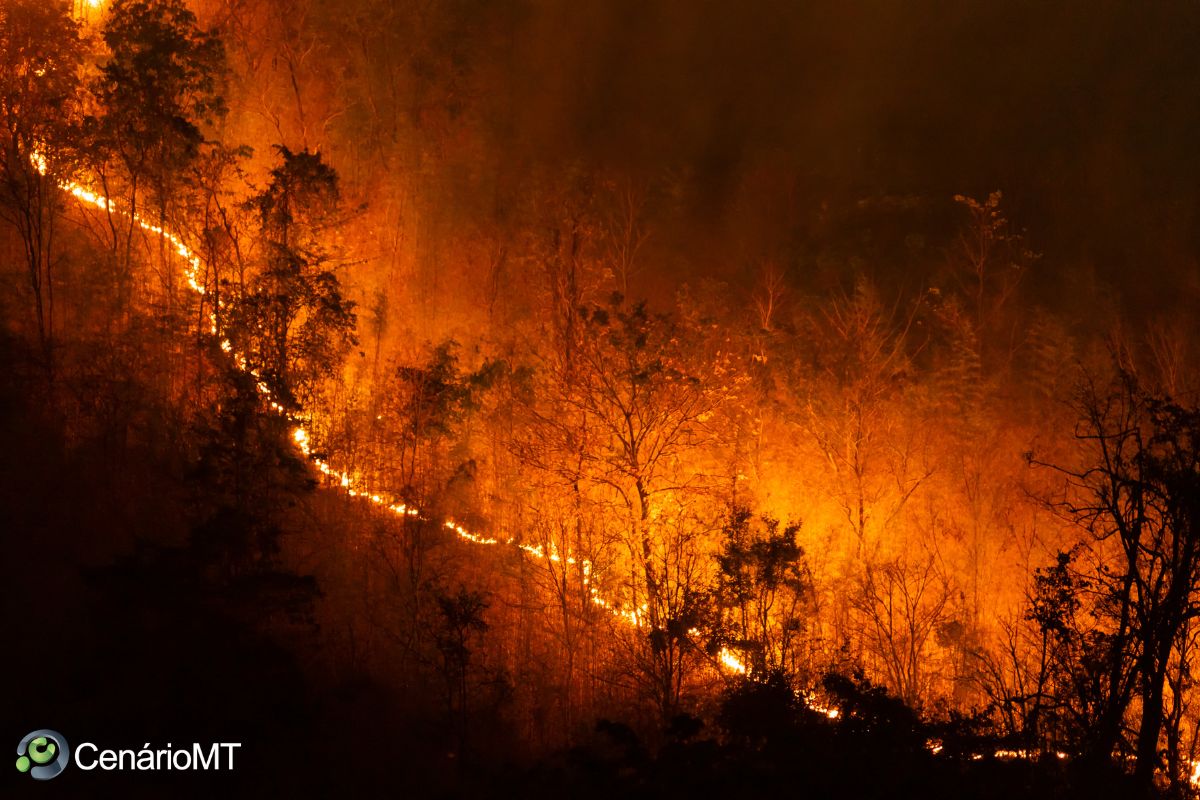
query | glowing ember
[814, 704]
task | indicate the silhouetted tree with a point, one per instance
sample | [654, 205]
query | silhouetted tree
[293, 323]
[159, 86]
[40, 61]
[460, 622]
[763, 590]
[652, 407]
[1137, 495]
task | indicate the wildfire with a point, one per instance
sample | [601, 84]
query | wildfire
[355, 487]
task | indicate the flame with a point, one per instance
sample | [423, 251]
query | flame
[813, 703]
[936, 746]
[1008, 755]
[731, 662]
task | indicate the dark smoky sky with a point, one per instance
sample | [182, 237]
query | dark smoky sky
[1086, 115]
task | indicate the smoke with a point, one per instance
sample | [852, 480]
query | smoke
[1084, 114]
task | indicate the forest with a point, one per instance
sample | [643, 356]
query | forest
[496, 398]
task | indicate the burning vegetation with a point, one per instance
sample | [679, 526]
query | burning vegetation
[333, 403]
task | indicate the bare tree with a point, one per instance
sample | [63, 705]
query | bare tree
[1136, 494]
[903, 601]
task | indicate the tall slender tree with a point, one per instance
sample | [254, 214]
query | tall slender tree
[40, 57]
[159, 88]
[294, 323]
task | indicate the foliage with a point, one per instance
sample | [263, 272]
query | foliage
[293, 323]
[42, 53]
[161, 82]
[763, 589]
